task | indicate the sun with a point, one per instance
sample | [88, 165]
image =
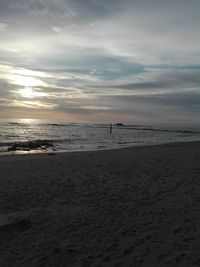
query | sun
[27, 92]
[30, 86]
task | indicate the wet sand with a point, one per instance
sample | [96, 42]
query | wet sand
[135, 206]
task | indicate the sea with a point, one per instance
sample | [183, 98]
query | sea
[26, 136]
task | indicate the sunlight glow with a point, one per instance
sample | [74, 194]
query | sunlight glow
[26, 81]
[34, 104]
[28, 120]
[30, 73]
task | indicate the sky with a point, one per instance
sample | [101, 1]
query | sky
[108, 60]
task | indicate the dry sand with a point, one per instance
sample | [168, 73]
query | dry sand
[127, 207]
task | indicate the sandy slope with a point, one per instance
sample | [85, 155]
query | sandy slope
[128, 207]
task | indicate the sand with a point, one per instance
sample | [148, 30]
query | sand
[127, 207]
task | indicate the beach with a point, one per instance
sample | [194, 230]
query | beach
[137, 206]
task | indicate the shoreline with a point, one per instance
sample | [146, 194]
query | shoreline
[31, 153]
[135, 206]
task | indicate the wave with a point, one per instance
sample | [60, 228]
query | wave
[161, 130]
[53, 124]
[27, 144]
[40, 143]
[13, 123]
[30, 145]
[24, 124]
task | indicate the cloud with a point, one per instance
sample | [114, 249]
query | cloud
[154, 79]
[3, 27]
[102, 57]
[56, 29]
